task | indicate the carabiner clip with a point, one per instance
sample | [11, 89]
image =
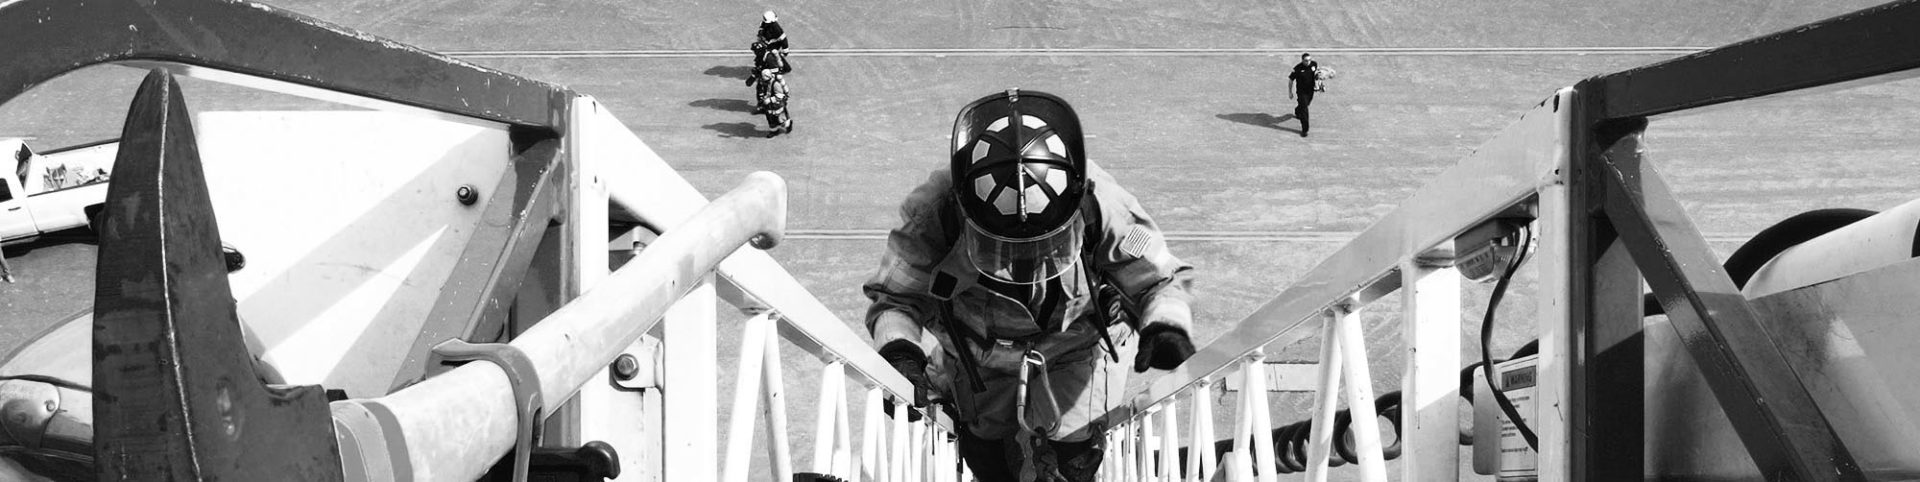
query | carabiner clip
[1034, 360]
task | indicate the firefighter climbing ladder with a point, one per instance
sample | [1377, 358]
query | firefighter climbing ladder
[587, 348]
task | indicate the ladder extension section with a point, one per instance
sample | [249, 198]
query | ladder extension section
[1572, 168]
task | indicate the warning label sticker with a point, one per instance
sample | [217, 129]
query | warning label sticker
[1517, 460]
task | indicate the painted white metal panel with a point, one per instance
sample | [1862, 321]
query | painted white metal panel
[1545, 136]
[1281, 377]
[1876, 241]
[350, 227]
[1852, 341]
[602, 410]
[1430, 393]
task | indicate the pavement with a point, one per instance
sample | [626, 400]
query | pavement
[1182, 101]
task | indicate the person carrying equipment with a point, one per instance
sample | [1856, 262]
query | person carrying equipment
[1022, 274]
[779, 121]
[765, 59]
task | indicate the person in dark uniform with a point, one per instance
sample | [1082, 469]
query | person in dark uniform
[1301, 85]
[771, 33]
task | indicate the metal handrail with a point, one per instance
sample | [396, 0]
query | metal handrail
[1582, 170]
[1495, 178]
[651, 193]
[476, 401]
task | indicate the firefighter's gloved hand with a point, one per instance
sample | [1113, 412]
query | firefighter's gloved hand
[906, 357]
[1162, 346]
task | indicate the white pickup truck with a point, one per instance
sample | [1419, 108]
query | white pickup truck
[55, 190]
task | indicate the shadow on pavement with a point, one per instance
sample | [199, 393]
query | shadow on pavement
[1262, 120]
[729, 105]
[736, 129]
[70, 236]
[730, 71]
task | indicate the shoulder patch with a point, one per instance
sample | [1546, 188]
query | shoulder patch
[1135, 244]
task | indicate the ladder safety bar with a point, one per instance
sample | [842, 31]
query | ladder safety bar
[1200, 461]
[1364, 422]
[873, 465]
[746, 387]
[1320, 436]
[775, 391]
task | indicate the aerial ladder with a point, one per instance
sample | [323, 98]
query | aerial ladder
[443, 272]
[1792, 365]
[480, 324]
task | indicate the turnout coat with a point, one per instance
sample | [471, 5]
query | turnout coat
[1125, 247]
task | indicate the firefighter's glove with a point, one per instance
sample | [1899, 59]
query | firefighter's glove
[906, 357]
[1162, 346]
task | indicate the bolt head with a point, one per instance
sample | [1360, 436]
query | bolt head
[625, 367]
[467, 195]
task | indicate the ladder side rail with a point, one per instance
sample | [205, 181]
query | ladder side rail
[292, 53]
[1860, 46]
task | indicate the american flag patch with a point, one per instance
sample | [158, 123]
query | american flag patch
[1135, 244]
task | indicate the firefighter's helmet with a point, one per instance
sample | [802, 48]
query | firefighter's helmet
[1019, 175]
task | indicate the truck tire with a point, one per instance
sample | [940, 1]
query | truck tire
[95, 218]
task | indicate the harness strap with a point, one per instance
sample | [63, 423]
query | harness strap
[943, 289]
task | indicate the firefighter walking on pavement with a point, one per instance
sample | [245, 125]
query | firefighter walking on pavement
[1023, 281]
[769, 75]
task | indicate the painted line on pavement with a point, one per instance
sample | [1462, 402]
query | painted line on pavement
[1227, 236]
[1086, 52]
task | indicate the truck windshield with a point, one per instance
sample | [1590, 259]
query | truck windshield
[5, 195]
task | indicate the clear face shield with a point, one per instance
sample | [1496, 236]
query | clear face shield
[1024, 261]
